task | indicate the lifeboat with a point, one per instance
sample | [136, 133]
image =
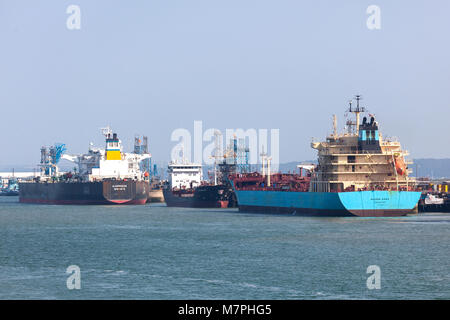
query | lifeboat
[400, 165]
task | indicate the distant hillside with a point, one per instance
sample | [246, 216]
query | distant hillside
[292, 166]
[431, 168]
[284, 167]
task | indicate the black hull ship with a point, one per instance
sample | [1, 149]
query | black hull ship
[104, 176]
[101, 192]
[434, 202]
[205, 196]
[186, 188]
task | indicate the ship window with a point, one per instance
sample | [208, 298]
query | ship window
[351, 159]
[336, 187]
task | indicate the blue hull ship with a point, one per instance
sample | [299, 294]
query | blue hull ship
[358, 173]
[357, 203]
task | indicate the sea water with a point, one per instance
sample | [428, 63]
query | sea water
[156, 252]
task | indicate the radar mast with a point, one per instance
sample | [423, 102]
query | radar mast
[356, 111]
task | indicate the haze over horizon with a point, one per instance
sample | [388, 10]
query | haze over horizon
[149, 68]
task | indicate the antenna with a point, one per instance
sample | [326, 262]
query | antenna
[334, 125]
[182, 152]
[358, 98]
[106, 131]
[356, 111]
[217, 152]
[263, 155]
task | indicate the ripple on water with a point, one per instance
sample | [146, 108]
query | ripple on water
[157, 252]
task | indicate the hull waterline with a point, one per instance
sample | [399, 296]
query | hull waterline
[108, 192]
[342, 204]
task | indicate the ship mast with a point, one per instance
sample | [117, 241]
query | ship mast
[218, 154]
[263, 158]
[106, 131]
[334, 126]
[356, 111]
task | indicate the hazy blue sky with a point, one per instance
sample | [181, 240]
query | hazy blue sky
[149, 67]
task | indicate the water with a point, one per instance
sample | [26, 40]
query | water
[155, 252]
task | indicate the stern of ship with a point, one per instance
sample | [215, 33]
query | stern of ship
[125, 191]
[380, 203]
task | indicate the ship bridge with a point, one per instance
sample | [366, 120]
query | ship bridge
[359, 159]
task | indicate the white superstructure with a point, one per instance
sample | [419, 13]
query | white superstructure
[185, 175]
[360, 159]
[110, 162]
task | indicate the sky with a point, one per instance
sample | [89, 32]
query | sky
[151, 67]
